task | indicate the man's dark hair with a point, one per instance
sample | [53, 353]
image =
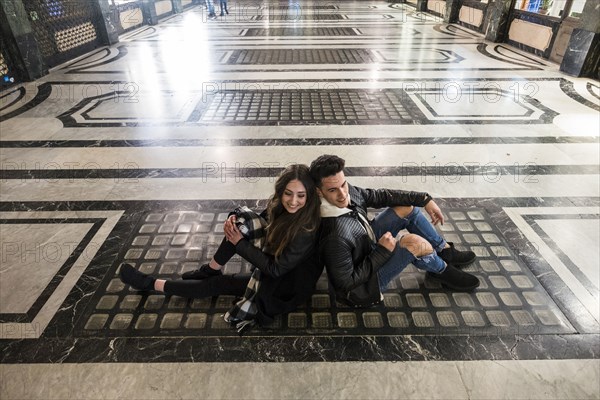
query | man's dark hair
[324, 166]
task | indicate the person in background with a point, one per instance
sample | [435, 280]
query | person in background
[223, 7]
[211, 9]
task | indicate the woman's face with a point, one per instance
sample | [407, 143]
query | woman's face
[294, 196]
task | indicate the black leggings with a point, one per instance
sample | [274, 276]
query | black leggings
[224, 253]
[215, 285]
[209, 287]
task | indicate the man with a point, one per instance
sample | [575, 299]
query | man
[363, 257]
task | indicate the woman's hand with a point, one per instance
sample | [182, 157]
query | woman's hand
[232, 233]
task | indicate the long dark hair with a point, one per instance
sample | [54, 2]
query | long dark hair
[283, 226]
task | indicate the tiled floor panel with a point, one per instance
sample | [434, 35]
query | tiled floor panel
[509, 300]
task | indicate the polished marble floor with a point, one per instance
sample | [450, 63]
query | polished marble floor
[136, 151]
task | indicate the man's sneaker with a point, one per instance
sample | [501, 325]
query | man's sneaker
[136, 279]
[205, 271]
[456, 257]
[456, 279]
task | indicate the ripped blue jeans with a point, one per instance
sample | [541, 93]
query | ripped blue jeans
[417, 223]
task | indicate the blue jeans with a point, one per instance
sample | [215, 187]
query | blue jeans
[417, 223]
[223, 6]
[211, 8]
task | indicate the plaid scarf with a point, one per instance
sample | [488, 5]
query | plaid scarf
[251, 225]
[242, 314]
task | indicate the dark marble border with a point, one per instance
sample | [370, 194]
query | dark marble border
[453, 30]
[533, 60]
[35, 308]
[524, 101]
[305, 349]
[590, 91]
[58, 345]
[297, 142]
[483, 49]
[75, 68]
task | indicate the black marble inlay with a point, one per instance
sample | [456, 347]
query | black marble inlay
[296, 142]
[490, 171]
[43, 92]
[329, 31]
[510, 53]
[512, 258]
[483, 49]
[568, 88]
[454, 31]
[83, 65]
[590, 88]
[20, 91]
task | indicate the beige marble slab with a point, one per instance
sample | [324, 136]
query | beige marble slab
[547, 379]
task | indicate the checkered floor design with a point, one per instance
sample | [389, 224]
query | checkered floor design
[310, 105]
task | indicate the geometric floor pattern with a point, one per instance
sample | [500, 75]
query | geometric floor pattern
[135, 152]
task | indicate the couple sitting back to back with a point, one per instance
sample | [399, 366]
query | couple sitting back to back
[315, 218]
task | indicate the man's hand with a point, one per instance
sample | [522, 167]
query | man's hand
[434, 212]
[388, 241]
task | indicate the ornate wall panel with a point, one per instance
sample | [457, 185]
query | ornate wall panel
[64, 29]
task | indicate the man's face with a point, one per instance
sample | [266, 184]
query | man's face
[334, 189]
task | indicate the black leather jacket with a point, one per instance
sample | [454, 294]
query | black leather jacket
[288, 281]
[352, 259]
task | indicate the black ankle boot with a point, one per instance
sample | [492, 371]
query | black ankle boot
[205, 271]
[456, 279]
[136, 279]
[456, 257]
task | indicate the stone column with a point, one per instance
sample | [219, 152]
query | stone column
[177, 7]
[421, 5]
[452, 9]
[583, 53]
[496, 20]
[109, 23]
[149, 12]
[20, 42]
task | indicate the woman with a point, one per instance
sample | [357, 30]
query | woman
[287, 262]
